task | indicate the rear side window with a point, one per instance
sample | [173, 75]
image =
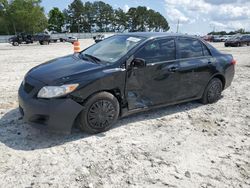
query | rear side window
[158, 51]
[189, 48]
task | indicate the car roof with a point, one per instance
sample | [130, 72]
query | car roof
[156, 34]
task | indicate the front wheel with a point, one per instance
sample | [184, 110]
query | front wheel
[100, 113]
[212, 92]
[15, 44]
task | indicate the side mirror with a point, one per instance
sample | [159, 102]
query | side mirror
[138, 63]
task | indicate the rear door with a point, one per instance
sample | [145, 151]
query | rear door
[157, 82]
[195, 66]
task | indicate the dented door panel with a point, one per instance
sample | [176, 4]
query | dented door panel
[152, 85]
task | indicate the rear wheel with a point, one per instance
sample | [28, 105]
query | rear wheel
[212, 92]
[100, 113]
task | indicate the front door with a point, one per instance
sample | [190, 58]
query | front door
[157, 82]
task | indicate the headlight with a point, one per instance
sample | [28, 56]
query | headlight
[56, 91]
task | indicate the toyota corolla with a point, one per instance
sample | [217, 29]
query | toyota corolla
[121, 75]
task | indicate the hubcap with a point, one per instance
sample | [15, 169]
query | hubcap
[101, 114]
[214, 92]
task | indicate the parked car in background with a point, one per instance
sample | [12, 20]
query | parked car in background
[42, 38]
[21, 38]
[24, 38]
[217, 38]
[224, 38]
[121, 75]
[237, 41]
[207, 38]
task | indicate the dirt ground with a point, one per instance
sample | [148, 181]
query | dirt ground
[188, 145]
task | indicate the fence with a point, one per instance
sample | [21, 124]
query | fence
[4, 38]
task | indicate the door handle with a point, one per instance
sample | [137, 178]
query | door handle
[173, 69]
[209, 63]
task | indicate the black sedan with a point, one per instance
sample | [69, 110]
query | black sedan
[238, 41]
[121, 75]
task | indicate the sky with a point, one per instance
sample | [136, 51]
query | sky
[195, 16]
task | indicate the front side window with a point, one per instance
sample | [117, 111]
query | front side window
[189, 48]
[158, 51]
[112, 49]
[205, 50]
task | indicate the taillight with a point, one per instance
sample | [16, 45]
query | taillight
[233, 62]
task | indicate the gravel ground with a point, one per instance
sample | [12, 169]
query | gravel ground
[187, 145]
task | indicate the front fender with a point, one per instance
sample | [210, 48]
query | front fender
[108, 79]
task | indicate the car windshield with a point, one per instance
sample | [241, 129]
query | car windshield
[113, 48]
[236, 37]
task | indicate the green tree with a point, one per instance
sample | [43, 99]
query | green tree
[82, 17]
[142, 19]
[24, 16]
[56, 20]
[3, 17]
[104, 16]
[74, 16]
[89, 15]
[239, 31]
[120, 20]
[100, 16]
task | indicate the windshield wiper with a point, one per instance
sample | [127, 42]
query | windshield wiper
[95, 59]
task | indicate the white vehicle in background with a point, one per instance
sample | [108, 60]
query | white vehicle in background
[71, 39]
[225, 38]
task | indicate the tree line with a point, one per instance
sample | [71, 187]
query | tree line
[239, 31]
[21, 16]
[28, 16]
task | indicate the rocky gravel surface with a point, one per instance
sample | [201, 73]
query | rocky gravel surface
[186, 145]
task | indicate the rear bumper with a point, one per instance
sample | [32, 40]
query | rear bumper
[56, 115]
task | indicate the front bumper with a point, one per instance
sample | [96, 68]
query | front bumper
[56, 115]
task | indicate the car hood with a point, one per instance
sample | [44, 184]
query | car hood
[62, 68]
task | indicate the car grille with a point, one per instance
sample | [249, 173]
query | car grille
[27, 87]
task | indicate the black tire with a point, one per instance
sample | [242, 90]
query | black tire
[100, 113]
[62, 40]
[15, 44]
[212, 92]
[44, 42]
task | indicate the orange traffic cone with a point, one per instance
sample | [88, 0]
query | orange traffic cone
[77, 47]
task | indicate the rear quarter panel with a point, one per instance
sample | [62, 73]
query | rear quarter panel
[225, 67]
